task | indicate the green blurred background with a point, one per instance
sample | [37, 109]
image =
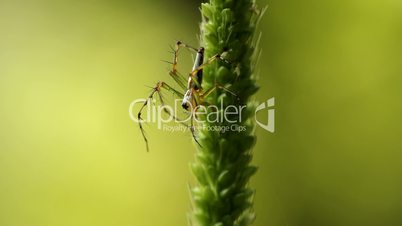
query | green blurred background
[69, 154]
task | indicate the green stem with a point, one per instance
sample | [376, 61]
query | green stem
[222, 165]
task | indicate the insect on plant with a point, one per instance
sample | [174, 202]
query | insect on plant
[193, 93]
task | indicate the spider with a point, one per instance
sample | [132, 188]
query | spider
[194, 93]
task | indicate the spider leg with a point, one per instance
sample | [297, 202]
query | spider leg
[156, 89]
[212, 89]
[166, 86]
[179, 45]
[179, 78]
[192, 129]
[195, 101]
[208, 62]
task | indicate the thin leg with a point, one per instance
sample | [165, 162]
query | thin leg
[209, 91]
[209, 61]
[140, 119]
[192, 129]
[156, 89]
[179, 79]
[179, 45]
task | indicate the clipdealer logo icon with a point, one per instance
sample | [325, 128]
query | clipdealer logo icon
[270, 125]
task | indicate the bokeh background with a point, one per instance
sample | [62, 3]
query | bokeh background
[70, 155]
